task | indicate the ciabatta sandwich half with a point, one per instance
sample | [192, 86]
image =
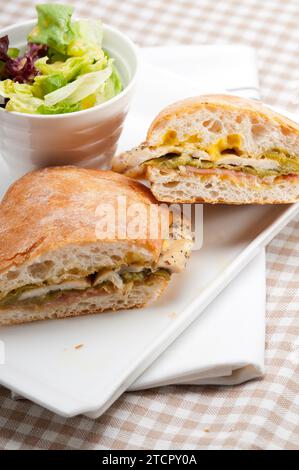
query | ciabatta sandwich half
[56, 260]
[218, 149]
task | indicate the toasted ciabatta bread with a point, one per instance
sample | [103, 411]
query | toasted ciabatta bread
[218, 149]
[54, 263]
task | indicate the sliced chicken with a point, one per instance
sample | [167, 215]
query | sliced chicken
[68, 285]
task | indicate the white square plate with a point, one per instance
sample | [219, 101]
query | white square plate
[43, 361]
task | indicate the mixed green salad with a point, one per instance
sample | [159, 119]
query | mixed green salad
[64, 68]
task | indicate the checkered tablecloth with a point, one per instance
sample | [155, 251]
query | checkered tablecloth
[258, 415]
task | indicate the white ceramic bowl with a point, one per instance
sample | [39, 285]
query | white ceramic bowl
[86, 138]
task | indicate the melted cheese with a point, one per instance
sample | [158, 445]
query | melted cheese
[232, 141]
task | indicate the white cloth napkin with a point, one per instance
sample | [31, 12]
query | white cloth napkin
[225, 345]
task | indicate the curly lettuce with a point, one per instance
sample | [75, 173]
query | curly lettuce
[53, 27]
[60, 108]
[19, 68]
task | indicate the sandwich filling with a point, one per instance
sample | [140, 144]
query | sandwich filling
[104, 281]
[132, 271]
[225, 154]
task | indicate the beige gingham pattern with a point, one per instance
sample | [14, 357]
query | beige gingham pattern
[258, 415]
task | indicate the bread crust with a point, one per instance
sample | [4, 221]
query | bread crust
[227, 102]
[50, 208]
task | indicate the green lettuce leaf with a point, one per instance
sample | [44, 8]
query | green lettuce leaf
[59, 108]
[13, 52]
[92, 66]
[45, 84]
[112, 87]
[70, 69]
[64, 38]
[20, 97]
[53, 27]
[9, 88]
[23, 103]
[80, 88]
[88, 36]
[55, 56]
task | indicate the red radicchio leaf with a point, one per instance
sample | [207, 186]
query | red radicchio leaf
[21, 69]
[4, 48]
